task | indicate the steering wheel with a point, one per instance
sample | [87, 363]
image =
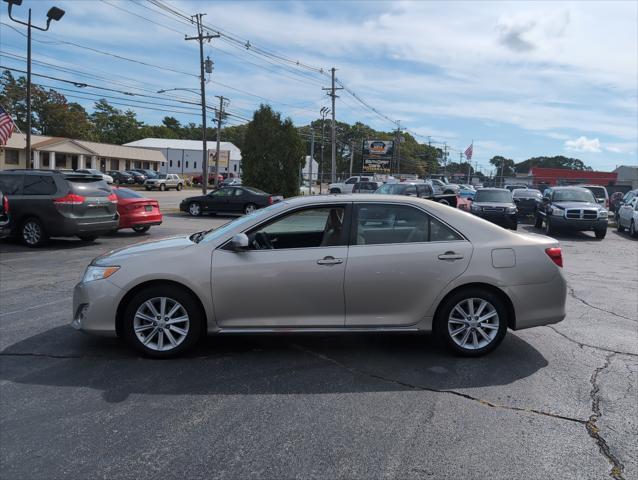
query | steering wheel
[262, 242]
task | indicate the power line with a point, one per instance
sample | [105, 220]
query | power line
[142, 17]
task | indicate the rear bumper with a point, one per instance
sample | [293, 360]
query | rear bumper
[140, 220]
[95, 306]
[76, 226]
[571, 224]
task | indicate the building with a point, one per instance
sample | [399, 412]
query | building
[60, 152]
[185, 156]
[565, 176]
[305, 171]
[627, 175]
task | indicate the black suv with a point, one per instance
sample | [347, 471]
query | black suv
[495, 205]
[571, 208]
[50, 203]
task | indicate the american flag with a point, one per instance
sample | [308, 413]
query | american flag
[469, 151]
[6, 126]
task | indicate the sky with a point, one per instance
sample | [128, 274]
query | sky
[518, 79]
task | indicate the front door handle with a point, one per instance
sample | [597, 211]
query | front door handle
[450, 256]
[329, 261]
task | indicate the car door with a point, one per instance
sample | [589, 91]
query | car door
[237, 199]
[296, 283]
[218, 200]
[399, 260]
[625, 213]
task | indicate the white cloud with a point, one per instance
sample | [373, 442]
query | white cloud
[583, 144]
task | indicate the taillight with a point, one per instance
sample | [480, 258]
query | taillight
[5, 204]
[270, 200]
[556, 254]
[112, 198]
[70, 199]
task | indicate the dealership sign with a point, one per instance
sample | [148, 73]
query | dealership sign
[377, 155]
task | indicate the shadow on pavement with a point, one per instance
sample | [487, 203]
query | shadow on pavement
[245, 365]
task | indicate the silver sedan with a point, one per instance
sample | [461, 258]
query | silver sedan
[347, 263]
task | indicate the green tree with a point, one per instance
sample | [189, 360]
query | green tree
[272, 154]
[114, 126]
[558, 161]
[504, 165]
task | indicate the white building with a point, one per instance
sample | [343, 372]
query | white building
[185, 156]
[306, 169]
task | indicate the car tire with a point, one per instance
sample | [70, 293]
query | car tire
[194, 209]
[548, 227]
[249, 208]
[515, 226]
[632, 229]
[463, 335]
[148, 189]
[162, 187]
[141, 228]
[619, 227]
[538, 223]
[32, 233]
[335, 190]
[600, 234]
[145, 332]
[87, 238]
[179, 187]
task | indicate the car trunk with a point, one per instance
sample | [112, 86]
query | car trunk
[97, 201]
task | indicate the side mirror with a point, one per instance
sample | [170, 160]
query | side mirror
[239, 242]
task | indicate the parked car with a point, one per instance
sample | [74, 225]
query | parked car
[5, 218]
[197, 179]
[497, 206]
[571, 208]
[321, 264]
[121, 177]
[627, 198]
[600, 193]
[628, 217]
[228, 200]
[347, 185]
[48, 203]
[136, 211]
[444, 188]
[421, 190]
[231, 182]
[138, 177]
[615, 200]
[527, 200]
[164, 181]
[148, 173]
[467, 191]
[517, 186]
[365, 187]
[92, 171]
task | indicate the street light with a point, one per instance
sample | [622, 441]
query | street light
[324, 112]
[54, 13]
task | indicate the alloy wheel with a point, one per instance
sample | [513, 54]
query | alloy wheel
[32, 233]
[194, 209]
[161, 324]
[473, 323]
[250, 208]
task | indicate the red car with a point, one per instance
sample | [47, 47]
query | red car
[136, 211]
[197, 180]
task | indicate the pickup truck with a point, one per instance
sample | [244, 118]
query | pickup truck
[164, 181]
[346, 187]
[421, 190]
[571, 208]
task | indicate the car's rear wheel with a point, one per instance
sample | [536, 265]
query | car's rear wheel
[619, 227]
[472, 322]
[141, 228]
[162, 187]
[32, 233]
[194, 209]
[600, 234]
[179, 187]
[514, 226]
[162, 321]
[250, 208]
[632, 229]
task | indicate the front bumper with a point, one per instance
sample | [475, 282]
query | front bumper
[95, 306]
[507, 220]
[574, 224]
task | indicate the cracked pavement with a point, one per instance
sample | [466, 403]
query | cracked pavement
[551, 402]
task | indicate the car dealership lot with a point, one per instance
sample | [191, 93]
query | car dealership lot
[555, 401]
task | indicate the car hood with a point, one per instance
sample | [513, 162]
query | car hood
[565, 205]
[122, 254]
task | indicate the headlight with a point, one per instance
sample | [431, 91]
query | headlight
[98, 273]
[557, 212]
[603, 213]
[511, 210]
[475, 208]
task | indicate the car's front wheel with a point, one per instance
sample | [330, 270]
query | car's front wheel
[194, 209]
[335, 190]
[600, 234]
[472, 322]
[632, 229]
[162, 321]
[619, 227]
[250, 208]
[162, 187]
[32, 233]
[538, 223]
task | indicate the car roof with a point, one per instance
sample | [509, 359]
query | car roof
[494, 189]
[569, 187]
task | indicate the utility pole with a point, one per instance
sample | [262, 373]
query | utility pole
[220, 115]
[202, 81]
[312, 158]
[445, 159]
[502, 169]
[351, 155]
[396, 146]
[324, 111]
[333, 95]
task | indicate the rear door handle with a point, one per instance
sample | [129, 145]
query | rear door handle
[450, 256]
[330, 261]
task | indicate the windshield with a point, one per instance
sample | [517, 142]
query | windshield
[212, 235]
[392, 189]
[497, 196]
[575, 195]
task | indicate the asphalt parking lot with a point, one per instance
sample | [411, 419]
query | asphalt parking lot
[551, 402]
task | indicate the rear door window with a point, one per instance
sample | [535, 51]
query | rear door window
[38, 185]
[11, 184]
